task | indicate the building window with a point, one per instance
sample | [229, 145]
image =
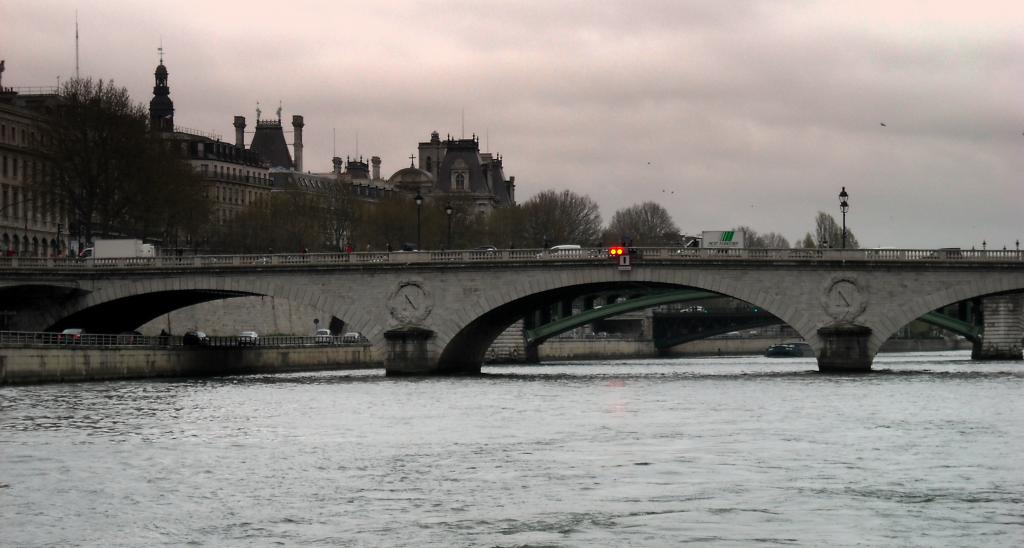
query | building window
[430, 164]
[460, 181]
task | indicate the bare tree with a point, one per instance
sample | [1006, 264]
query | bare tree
[828, 233]
[554, 217]
[108, 168]
[770, 240]
[808, 241]
[174, 205]
[774, 240]
[506, 227]
[646, 224]
[288, 222]
[339, 214]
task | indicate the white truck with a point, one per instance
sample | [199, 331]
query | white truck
[114, 249]
[722, 239]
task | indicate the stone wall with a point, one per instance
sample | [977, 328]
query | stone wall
[594, 349]
[265, 315]
[48, 364]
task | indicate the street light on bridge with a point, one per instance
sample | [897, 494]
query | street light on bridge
[419, 202]
[448, 211]
[844, 206]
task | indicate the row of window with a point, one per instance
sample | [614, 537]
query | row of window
[234, 195]
[225, 215]
[9, 134]
[223, 151]
[25, 204]
[12, 168]
[35, 247]
[233, 174]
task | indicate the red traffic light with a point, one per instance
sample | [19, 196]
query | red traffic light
[616, 251]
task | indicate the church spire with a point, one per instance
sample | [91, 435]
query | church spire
[161, 108]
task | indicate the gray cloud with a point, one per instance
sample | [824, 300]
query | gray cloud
[750, 112]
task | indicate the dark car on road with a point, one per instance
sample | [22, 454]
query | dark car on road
[71, 335]
[248, 338]
[195, 338]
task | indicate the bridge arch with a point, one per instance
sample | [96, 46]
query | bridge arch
[126, 305]
[463, 343]
[920, 306]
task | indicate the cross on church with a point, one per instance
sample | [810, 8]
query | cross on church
[412, 161]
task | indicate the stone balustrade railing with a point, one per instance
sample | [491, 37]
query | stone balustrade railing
[660, 254]
[46, 338]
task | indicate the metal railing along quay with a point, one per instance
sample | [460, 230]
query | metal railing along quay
[661, 254]
[100, 340]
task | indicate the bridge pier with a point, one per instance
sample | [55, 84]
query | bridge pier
[845, 348]
[407, 352]
[1003, 317]
[532, 353]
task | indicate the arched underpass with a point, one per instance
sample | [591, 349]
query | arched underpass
[704, 324]
[132, 312]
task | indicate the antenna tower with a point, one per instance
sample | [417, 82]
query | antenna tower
[76, 44]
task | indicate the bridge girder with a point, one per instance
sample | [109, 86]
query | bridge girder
[541, 333]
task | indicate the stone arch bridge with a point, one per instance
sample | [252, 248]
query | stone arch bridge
[438, 312]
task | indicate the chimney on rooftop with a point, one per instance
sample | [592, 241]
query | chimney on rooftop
[240, 131]
[337, 165]
[297, 125]
[376, 167]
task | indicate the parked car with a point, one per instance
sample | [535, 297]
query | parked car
[129, 337]
[564, 250]
[195, 338]
[352, 337]
[486, 248]
[945, 253]
[248, 338]
[72, 335]
[323, 336]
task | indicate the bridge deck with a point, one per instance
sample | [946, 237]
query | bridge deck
[527, 256]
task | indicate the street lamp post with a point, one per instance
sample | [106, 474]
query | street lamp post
[844, 206]
[419, 202]
[448, 211]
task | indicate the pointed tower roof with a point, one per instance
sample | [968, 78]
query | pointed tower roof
[161, 108]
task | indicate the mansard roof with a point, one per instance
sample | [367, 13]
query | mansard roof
[269, 142]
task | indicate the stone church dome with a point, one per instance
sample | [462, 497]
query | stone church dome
[411, 177]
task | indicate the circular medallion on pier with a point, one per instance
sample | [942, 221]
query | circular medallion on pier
[410, 303]
[843, 299]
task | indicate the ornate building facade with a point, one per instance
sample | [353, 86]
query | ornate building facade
[453, 170]
[236, 177]
[32, 223]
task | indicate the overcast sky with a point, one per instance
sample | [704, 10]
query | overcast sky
[725, 112]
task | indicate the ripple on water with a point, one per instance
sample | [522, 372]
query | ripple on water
[729, 451]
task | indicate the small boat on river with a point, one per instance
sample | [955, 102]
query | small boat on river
[789, 350]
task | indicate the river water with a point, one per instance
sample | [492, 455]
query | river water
[746, 451]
